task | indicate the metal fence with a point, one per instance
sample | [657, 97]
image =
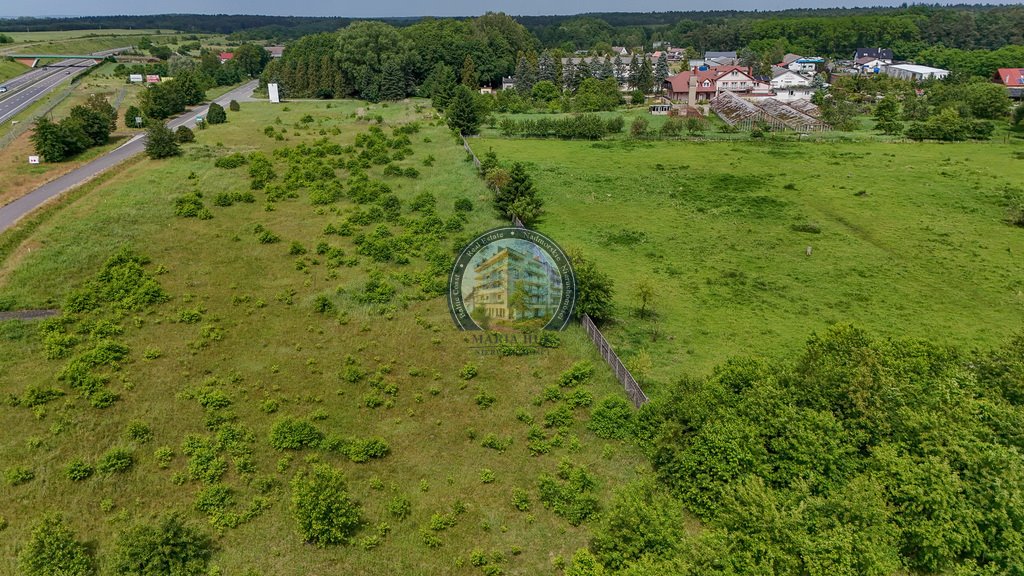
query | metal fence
[633, 390]
[19, 128]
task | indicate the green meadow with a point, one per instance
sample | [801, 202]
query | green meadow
[751, 246]
[271, 315]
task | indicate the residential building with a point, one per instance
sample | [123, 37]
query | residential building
[620, 51]
[274, 51]
[700, 85]
[870, 65]
[883, 54]
[806, 65]
[789, 86]
[915, 72]
[514, 285]
[225, 56]
[1013, 79]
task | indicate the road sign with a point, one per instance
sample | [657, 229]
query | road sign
[135, 77]
[33, 159]
[138, 121]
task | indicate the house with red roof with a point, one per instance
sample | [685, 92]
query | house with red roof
[1013, 79]
[225, 56]
[704, 83]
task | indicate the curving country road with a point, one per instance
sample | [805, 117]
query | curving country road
[23, 206]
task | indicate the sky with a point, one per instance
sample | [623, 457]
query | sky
[364, 9]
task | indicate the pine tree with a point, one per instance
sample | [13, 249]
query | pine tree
[526, 76]
[439, 85]
[606, 69]
[519, 196]
[583, 71]
[634, 73]
[470, 77]
[161, 142]
[392, 82]
[569, 81]
[462, 114]
[130, 115]
[661, 72]
[645, 76]
[546, 68]
[621, 73]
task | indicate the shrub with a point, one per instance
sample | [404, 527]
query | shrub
[463, 205]
[138, 432]
[18, 475]
[52, 550]
[322, 507]
[230, 161]
[468, 372]
[484, 399]
[233, 106]
[115, 460]
[294, 434]
[578, 374]
[79, 470]
[612, 418]
[362, 450]
[487, 476]
[163, 456]
[570, 494]
[169, 547]
[161, 142]
[400, 507]
[184, 135]
[521, 499]
[216, 114]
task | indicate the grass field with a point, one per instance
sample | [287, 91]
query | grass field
[9, 69]
[241, 320]
[905, 239]
[62, 35]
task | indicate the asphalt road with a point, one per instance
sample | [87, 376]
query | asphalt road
[24, 90]
[21, 207]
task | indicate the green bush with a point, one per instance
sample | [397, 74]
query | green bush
[184, 135]
[168, 548]
[138, 432]
[570, 493]
[612, 418]
[17, 475]
[52, 550]
[115, 460]
[323, 508]
[79, 470]
[216, 114]
[400, 507]
[294, 434]
[231, 161]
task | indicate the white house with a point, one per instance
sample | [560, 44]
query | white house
[789, 86]
[915, 72]
[806, 64]
[870, 65]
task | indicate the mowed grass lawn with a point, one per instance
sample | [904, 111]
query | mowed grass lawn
[241, 320]
[911, 240]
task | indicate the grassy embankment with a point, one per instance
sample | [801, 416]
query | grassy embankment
[241, 320]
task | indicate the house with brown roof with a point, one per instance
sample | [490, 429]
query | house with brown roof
[701, 85]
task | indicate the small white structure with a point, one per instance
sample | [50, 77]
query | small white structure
[806, 64]
[915, 72]
[273, 93]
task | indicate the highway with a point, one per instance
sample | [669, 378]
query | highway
[23, 206]
[25, 90]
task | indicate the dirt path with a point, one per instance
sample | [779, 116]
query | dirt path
[27, 314]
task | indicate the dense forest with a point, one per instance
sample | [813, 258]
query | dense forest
[825, 32]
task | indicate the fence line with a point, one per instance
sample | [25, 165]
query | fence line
[24, 125]
[633, 390]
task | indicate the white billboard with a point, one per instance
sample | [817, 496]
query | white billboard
[272, 90]
[135, 77]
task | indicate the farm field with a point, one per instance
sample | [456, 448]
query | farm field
[274, 314]
[905, 240]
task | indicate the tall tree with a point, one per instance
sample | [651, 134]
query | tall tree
[546, 68]
[392, 83]
[161, 141]
[469, 76]
[661, 72]
[251, 59]
[439, 85]
[463, 114]
[526, 76]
